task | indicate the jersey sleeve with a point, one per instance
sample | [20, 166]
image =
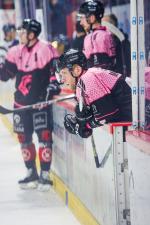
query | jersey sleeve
[97, 94]
[87, 50]
[110, 45]
[9, 69]
[53, 59]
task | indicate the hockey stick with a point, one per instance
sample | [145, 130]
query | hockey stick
[81, 103]
[96, 158]
[95, 152]
[120, 35]
[114, 30]
[3, 52]
[104, 159]
[39, 105]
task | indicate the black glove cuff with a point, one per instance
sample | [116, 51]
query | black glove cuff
[93, 124]
[85, 132]
[84, 115]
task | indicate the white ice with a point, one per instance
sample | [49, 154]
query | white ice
[26, 207]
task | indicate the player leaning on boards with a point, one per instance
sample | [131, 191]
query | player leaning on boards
[99, 47]
[32, 65]
[105, 95]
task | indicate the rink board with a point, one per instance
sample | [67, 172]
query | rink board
[103, 191]
[6, 99]
[138, 144]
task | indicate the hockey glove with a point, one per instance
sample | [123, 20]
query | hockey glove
[84, 131]
[70, 123]
[53, 89]
[86, 116]
[75, 127]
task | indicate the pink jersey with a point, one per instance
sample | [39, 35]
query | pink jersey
[97, 83]
[33, 69]
[26, 60]
[107, 94]
[147, 83]
[99, 41]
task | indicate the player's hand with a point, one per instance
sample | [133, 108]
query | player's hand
[53, 89]
[73, 126]
[86, 116]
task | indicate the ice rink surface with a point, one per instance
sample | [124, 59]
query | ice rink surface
[25, 207]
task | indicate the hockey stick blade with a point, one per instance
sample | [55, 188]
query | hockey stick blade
[39, 105]
[100, 164]
[114, 30]
[5, 111]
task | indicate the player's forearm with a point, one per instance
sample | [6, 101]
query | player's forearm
[7, 71]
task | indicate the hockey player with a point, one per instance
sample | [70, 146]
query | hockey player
[9, 40]
[9, 36]
[103, 95]
[147, 98]
[123, 48]
[78, 40]
[99, 47]
[32, 65]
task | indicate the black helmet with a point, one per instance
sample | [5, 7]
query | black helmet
[9, 28]
[62, 39]
[92, 7]
[32, 25]
[70, 58]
